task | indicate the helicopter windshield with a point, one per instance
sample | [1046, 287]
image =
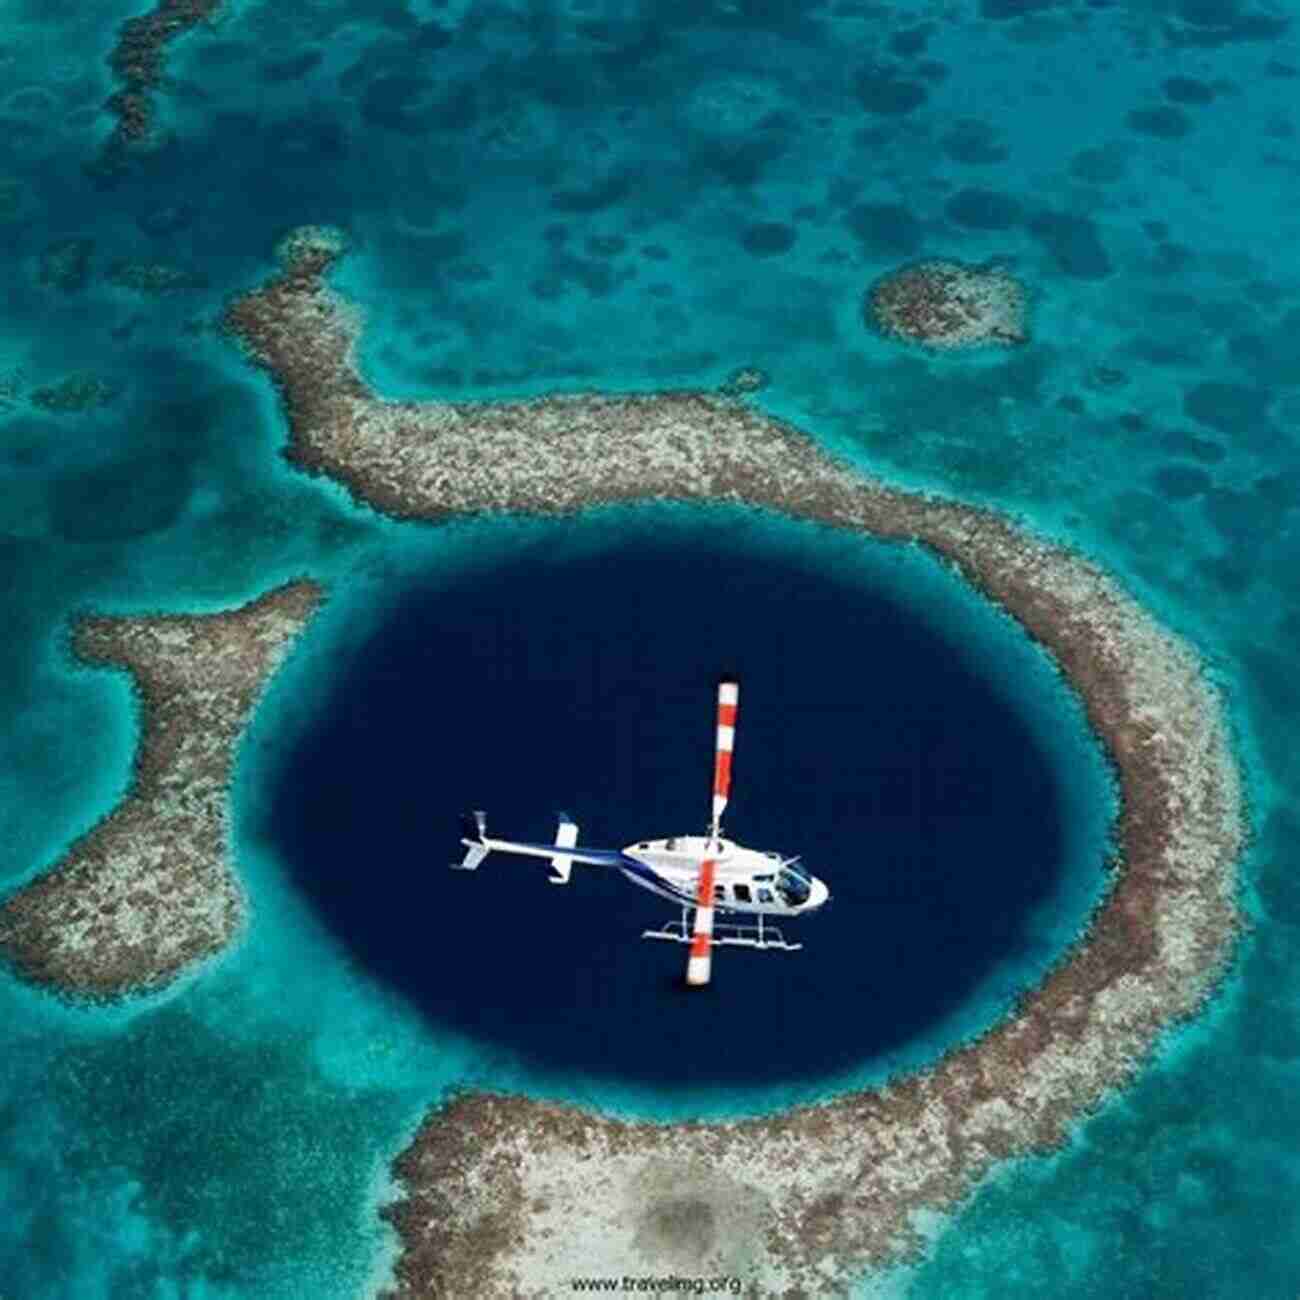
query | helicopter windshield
[794, 885]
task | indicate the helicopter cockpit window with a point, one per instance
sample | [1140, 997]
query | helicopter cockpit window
[765, 896]
[793, 886]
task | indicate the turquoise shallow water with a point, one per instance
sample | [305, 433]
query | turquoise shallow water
[603, 195]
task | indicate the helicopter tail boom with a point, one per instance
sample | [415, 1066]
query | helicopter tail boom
[478, 846]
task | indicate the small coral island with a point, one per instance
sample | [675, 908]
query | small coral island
[504, 1195]
[947, 305]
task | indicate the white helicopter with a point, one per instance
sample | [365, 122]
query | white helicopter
[705, 873]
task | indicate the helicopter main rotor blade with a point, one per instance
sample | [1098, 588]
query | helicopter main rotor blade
[699, 964]
[728, 702]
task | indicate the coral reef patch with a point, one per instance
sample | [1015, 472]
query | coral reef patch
[137, 63]
[945, 305]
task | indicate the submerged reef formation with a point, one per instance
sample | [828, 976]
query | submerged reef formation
[745, 379]
[11, 386]
[509, 1196]
[65, 264]
[75, 393]
[148, 891]
[137, 62]
[948, 305]
[155, 277]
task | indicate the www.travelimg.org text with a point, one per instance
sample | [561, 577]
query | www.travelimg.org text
[669, 1285]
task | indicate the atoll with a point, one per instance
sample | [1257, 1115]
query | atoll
[149, 891]
[948, 305]
[509, 1196]
[505, 1195]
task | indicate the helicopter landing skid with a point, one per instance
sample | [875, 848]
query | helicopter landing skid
[758, 936]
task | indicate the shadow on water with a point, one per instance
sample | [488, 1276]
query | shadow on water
[585, 682]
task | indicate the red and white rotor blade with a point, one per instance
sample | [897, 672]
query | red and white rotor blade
[699, 964]
[728, 702]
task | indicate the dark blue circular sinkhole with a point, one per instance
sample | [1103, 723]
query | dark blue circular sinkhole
[577, 671]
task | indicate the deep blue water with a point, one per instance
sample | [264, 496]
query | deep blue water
[582, 677]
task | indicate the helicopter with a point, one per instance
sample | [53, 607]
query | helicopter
[703, 874]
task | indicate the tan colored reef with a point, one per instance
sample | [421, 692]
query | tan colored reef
[508, 1196]
[149, 890]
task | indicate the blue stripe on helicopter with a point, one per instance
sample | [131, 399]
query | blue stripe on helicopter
[617, 858]
[636, 868]
[604, 857]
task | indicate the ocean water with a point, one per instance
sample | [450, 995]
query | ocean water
[617, 196]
